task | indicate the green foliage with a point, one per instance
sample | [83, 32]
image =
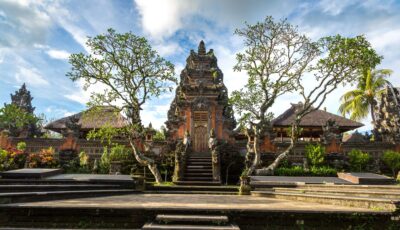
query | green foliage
[105, 134]
[392, 160]
[299, 171]
[128, 67]
[120, 153]
[104, 162]
[315, 154]
[21, 146]
[358, 160]
[13, 118]
[3, 159]
[83, 159]
[159, 136]
[360, 101]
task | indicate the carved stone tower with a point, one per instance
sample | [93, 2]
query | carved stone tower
[201, 102]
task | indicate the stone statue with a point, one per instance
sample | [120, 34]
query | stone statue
[180, 161]
[330, 131]
[214, 147]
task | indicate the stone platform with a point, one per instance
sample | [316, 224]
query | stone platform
[133, 211]
[366, 178]
[293, 181]
[28, 173]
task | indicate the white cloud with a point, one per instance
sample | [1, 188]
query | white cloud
[58, 54]
[23, 23]
[166, 49]
[30, 76]
[162, 18]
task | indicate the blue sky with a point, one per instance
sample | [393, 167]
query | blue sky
[37, 36]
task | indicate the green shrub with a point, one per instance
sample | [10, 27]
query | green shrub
[392, 160]
[21, 146]
[299, 171]
[358, 160]
[83, 159]
[3, 159]
[315, 154]
[120, 153]
[104, 162]
[294, 171]
[323, 171]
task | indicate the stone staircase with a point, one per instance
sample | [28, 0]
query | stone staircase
[194, 222]
[384, 198]
[198, 171]
[27, 190]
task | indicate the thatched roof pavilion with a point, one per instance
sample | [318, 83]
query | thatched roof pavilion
[312, 123]
[85, 121]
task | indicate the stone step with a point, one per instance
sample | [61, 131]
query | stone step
[154, 226]
[54, 187]
[191, 174]
[198, 159]
[199, 163]
[198, 167]
[191, 192]
[356, 193]
[167, 218]
[194, 188]
[360, 202]
[16, 197]
[207, 183]
[198, 178]
[355, 187]
[64, 182]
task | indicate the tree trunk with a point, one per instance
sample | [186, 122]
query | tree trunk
[150, 163]
[272, 167]
[372, 113]
[257, 156]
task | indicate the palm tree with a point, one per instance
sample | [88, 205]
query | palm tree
[361, 101]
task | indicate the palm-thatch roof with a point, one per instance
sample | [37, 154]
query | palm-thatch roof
[317, 118]
[90, 119]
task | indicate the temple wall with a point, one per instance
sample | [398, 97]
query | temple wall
[93, 148]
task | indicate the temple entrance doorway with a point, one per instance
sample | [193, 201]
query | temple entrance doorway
[200, 132]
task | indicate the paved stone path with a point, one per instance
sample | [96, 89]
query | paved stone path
[193, 202]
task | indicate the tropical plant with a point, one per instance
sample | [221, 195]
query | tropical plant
[358, 160]
[13, 119]
[44, 159]
[361, 101]
[315, 154]
[120, 153]
[392, 160]
[83, 159]
[21, 146]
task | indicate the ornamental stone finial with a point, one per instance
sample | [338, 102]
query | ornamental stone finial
[202, 48]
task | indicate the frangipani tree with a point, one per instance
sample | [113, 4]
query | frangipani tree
[277, 59]
[132, 73]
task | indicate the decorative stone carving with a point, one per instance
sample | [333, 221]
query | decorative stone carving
[387, 116]
[330, 132]
[215, 155]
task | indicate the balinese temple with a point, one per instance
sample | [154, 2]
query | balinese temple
[312, 124]
[201, 102]
[80, 124]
